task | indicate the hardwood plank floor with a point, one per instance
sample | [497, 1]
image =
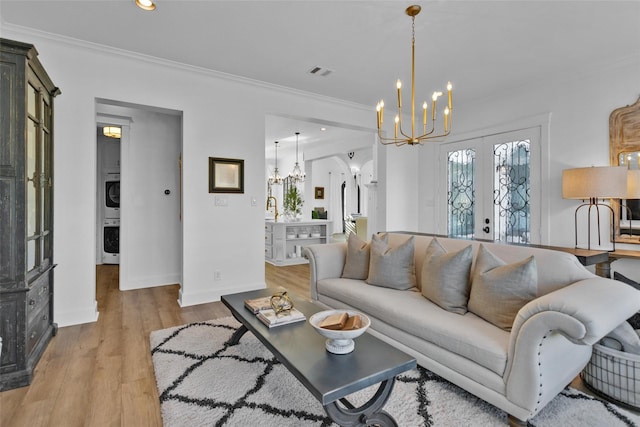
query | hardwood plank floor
[101, 374]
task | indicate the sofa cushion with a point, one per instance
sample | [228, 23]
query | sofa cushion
[499, 290]
[468, 336]
[446, 276]
[356, 265]
[392, 267]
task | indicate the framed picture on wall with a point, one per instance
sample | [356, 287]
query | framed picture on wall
[319, 192]
[226, 175]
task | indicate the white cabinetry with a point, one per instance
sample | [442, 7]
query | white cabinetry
[283, 241]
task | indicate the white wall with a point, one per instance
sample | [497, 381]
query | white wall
[578, 136]
[402, 185]
[222, 117]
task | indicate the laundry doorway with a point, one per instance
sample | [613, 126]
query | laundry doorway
[138, 193]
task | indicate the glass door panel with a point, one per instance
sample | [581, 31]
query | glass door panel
[31, 178]
[488, 187]
[511, 190]
[32, 101]
[31, 254]
[461, 193]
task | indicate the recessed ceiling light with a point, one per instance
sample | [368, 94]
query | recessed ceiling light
[145, 4]
[323, 129]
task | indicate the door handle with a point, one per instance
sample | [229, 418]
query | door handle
[486, 229]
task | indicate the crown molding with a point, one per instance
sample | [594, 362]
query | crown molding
[148, 59]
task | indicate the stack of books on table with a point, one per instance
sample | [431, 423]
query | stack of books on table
[271, 319]
[257, 304]
[261, 307]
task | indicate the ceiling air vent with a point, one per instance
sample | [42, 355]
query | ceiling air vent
[320, 71]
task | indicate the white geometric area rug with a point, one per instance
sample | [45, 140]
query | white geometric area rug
[204, 382]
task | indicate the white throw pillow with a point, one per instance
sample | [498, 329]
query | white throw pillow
[446, 277]
[500, 290]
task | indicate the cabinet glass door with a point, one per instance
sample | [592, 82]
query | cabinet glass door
[32, 179]
[38, 178]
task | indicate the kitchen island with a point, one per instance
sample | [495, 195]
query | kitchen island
[283, 241]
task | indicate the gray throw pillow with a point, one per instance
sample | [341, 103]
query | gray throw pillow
[392, 267]
[446, 277]
[356, 265]
[500, 290]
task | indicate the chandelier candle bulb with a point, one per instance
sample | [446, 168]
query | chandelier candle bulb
[446, 119]
[397, 120]
[449, 87]
[424, 113]
[434, 99]
[399, 86]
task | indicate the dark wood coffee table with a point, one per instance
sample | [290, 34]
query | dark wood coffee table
[329, 377]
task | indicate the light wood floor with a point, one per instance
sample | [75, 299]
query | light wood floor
[101, 374]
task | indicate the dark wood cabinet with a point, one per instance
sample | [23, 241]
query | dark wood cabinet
[26, 212]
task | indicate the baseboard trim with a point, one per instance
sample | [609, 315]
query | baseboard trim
[150, 282]
[77, 317]
[187, 299]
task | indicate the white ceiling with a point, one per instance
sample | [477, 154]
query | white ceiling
[483, 47]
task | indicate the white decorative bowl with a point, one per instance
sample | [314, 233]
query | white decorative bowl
[339, 342]
[315, 234]
[303, 235]
[291, 236]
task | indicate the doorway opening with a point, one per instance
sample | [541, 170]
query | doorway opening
[138, 193]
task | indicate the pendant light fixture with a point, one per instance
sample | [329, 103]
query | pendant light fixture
[112, 132]
[275, 179]
[296, 174]
[400, 137]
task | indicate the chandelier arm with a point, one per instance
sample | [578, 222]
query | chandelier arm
[428, 136]
[400, 130]
[388, 141]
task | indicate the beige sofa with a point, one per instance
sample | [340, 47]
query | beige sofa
[519, 371]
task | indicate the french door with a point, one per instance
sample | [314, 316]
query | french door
[491, 187]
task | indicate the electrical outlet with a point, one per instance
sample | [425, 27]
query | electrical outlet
[217, 276]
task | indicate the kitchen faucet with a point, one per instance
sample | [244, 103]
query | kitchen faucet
[275, 206]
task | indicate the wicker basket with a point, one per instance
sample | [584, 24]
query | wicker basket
[614, 375]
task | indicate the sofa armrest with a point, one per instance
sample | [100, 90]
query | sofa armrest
[593, 307]
[552, 336]
[325, 262]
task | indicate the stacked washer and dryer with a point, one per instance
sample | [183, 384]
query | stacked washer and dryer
[111, 223]
[108, 195]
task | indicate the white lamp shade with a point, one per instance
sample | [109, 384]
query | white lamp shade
[600, 182]
[633, 184]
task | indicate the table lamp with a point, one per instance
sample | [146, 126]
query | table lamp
[592, 184]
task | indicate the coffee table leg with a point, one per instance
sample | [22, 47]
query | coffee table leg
[235, 338]
[369, 414]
